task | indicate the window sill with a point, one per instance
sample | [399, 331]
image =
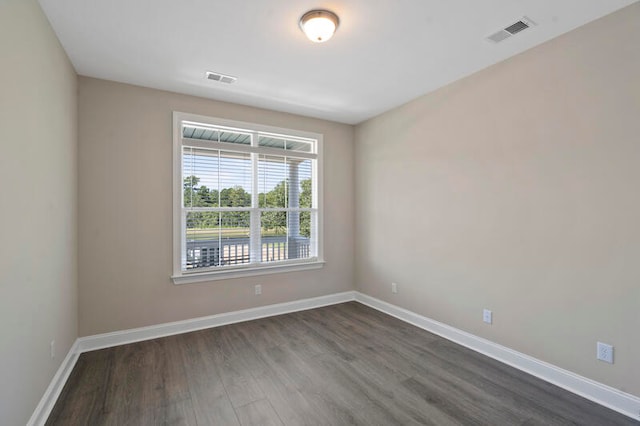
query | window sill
[198, 277]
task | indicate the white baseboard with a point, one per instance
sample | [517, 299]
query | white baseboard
[42, 411]
[100, 341]
[607, 396]
[106, 340]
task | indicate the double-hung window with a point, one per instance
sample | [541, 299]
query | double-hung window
[246, 199]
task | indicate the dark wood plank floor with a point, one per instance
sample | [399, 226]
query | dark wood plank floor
[338, 365]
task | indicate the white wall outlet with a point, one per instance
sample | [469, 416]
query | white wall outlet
[52, 349]
[258, 289]
[394, 288]
[487, 316]
[605, 352]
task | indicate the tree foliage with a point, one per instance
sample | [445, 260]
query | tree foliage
[196, 195]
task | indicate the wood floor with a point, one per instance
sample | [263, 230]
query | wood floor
[339, 365]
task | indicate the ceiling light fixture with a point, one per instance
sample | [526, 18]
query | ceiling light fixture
[319, 25]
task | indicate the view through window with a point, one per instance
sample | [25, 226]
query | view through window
[248, 197]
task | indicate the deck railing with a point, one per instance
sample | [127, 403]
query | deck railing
[236, 251]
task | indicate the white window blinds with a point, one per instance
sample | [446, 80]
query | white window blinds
[248, 198]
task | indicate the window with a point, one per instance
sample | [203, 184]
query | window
[246, 199]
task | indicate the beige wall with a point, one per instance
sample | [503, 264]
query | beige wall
[517, 190]
[38, 285]
[513, 189]
[125, 212]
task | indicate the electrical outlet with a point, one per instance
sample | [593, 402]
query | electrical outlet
[52, 349]
[258, 289]
[605, 352]
[394, 288]
[487, 316]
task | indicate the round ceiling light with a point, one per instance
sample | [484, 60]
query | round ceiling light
[319, 25]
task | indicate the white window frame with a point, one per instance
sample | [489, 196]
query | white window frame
[235, 271]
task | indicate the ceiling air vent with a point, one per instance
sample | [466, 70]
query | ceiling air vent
[222, 78]
[512, 29]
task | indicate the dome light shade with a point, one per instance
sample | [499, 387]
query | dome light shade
[319, 25]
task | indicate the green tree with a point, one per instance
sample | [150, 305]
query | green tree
[196, 195]
[235, 197]
[305, 195]
[274, 220]
[191, 197]
[305, 201]
[277, 197]
[199, 196]
[207, 197]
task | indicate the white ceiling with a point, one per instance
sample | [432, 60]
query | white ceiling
[385, 52]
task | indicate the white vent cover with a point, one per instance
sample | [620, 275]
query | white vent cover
[512, 29]
[222, 78]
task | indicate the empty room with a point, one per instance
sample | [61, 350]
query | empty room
[391, 212]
